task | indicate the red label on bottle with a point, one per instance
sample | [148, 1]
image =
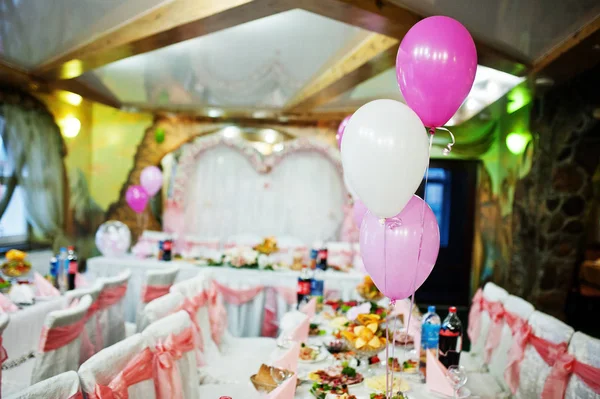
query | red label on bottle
[448, 333]
[167, 245]
[73, 267]
[304, 287]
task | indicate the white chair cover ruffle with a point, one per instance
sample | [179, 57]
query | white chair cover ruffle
[62, 386]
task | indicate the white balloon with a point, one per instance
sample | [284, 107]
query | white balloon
[385, 152]
[349, 188]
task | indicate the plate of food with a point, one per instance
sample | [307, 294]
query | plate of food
[311, 354]
[408, 366]
[314, 330]
[337, 375]
[326, 391]
[399, 395]
[378, 383]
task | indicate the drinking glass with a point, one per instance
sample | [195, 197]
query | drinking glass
[279, 375]
[458, 377]
[285, 341]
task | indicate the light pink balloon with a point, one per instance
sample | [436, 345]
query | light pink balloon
[136, 198]
[340, 131]
[151, 179]
[358, 211]
[394, 273]
[435, 68]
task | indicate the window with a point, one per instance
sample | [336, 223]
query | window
[438, 198]
[13, 224]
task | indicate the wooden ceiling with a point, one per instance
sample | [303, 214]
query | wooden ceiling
[182, 20]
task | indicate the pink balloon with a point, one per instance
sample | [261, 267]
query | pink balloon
[340, 131]
[435, 68]
[136, 198]
[358, 210]
[394, 274]
[151, 179]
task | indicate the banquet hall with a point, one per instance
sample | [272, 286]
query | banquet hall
[330, 199]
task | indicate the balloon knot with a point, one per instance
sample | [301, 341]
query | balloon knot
[382, 221]
[392, 302]
[394, 222]
[446, 151]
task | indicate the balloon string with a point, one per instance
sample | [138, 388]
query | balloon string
[387, 339]
[448, 149]
[414, 286]
[394, 349]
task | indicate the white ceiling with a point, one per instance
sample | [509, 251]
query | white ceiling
[32, 31]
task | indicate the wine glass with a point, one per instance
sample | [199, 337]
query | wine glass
[279, 375]
[285, 341]
[458, 377]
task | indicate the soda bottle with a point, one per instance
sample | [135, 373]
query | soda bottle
[73, 267]
[450, 343]
[167, 248]
[430, 332]
[54, 266]
[322, 264]
[63, 267]
[304, 286]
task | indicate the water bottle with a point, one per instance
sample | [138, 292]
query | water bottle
[317, 285]
[54, 266]
[430, 330]
[63, 270]
[450, 339]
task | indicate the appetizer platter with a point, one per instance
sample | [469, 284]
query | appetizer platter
[377, 384]
[336, 376]
[314, 330]
[311, 354]
[408, 366]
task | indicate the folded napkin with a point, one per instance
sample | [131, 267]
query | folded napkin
[43, 287]
[289, 360]
[287, 390]
[21, 293]
[7, 305]
[309, 308]
[436, 379]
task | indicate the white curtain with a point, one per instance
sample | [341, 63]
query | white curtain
[301, 197]
[34, 146]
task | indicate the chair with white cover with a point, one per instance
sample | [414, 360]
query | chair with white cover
[62, 386]
[492, 295]
[116, 370]
[159, 308]
[158, 283]
[92, 325]
[586, 350]
[517, 307]
[172, 338]
[111, 304]
[534, 370]
[60, 343]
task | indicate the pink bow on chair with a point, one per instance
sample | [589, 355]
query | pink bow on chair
[496, 312]
[191, 307]
[475, 316]
[167, 382]
[521, 333]
[217, 314]
[151, 292]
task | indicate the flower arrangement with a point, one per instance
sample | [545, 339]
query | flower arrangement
[239, 257]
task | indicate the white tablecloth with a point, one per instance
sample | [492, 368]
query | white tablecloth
[345, 283]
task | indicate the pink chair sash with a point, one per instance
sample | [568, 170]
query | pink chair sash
[496, 312]
[238, 297]
[159, 365]
[57, 337]
[191, 307]
[270, 325]
[110, 296]
[151, 292]
[521, 332]
[7, 305]
[300, 334]
[475, 316]
[289, 360]
[78, 395]
[289, 295]
[287, 390]
[87, 348]
[310, 308]
[217, 314]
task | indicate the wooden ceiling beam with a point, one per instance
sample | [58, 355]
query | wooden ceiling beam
[371, 56]
[382, 16]
[575, 54]
[172, 23]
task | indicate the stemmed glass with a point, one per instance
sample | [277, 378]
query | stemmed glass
[458, 377]
[279, 375]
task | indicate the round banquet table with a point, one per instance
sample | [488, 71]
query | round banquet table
[344, 283]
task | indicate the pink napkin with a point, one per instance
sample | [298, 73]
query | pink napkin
[43, 288]
[436, 376]
[310, 308]
[7, 305]
[287, 390]
[300, 333]
[289, 360]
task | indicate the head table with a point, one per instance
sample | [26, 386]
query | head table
[343, 283]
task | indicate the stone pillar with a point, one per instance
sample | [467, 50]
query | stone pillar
[552, 202]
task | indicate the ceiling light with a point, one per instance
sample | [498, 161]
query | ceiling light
[70, 126]
[71, 98]
[517, 142]
[270, 136]
[260, 114]
[214, 113]
[231, 131]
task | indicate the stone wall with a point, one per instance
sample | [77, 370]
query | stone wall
[552, 202]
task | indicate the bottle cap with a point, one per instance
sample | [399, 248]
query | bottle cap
[452, 309]
[431, 309]
[63, 248]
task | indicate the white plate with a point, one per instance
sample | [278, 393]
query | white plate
[320, 357]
